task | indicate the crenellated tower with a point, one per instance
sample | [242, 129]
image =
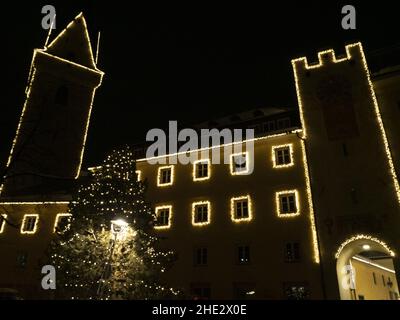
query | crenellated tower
[354, 185]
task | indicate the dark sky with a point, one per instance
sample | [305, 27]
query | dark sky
[185, 63]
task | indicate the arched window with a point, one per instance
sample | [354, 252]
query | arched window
[61, 97]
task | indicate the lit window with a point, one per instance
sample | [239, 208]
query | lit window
[2, 222]
[239, 163]
[201, 213]
[201, 170]
[29, 224]
[62, 222]
[241, 209]
[287, 203]
[292, 252]
[200, 256]
[282, 156]
[165, 176]
[163, 217]
[243, 254]
[138, 175]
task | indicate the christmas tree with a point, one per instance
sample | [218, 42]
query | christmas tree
[107, 249]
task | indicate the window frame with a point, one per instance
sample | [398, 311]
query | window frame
[160, 176]
[233, 164]
[24, 222]
[275, 156]
[286, 193]
[194, 213]
[57, 221]
[201, 162]
[163, 226]
[234, 200]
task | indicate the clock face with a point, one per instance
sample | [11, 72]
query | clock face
[335, 98]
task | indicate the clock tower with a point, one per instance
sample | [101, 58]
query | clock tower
[50, 140]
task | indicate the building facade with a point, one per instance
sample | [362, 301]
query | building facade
[316, 217]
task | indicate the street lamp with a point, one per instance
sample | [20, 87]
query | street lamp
[118, 229]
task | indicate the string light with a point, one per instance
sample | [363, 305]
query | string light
[59, 216]
[32, 72]
[195, 205]
[357, 258]
[235, 200]
[287, 193]
[24, 221]
[139, 175]
[223, 145]
[363, 237]
[311, 213]
[274, 156]
[201, 162]
[3, 222]
[35, 203]
[159, 176]
[160, 208]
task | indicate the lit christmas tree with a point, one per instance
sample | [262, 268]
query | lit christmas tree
[107, 249]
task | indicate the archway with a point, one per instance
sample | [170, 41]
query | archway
[365, 270]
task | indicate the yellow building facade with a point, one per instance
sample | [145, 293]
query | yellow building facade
[322, 201]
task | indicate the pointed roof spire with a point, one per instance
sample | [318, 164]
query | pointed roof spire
[73, 44]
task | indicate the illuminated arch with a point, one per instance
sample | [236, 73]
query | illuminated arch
[348, 249]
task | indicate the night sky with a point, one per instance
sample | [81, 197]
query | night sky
[185, 63]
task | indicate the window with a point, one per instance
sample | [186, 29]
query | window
[287, 203]
[383, 281]
[2, 222]
[62, 222]
[239, 164]
[163, 217]
[296, 291]
[200, 256]
[374, 277]
[29, 224]
[138, 175]
[243, 255]
[283, 123]
[165, 176]
[241, 209]
[269, 126]
[201, 170]
[61, 97]
[201, 213]
[361, 297]
[282, 156]
[200, 291]
[22, 259]
[292, 252]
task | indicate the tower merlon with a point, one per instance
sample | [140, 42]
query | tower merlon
[326, 57]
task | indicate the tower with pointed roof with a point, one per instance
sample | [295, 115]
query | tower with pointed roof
[51, 135]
